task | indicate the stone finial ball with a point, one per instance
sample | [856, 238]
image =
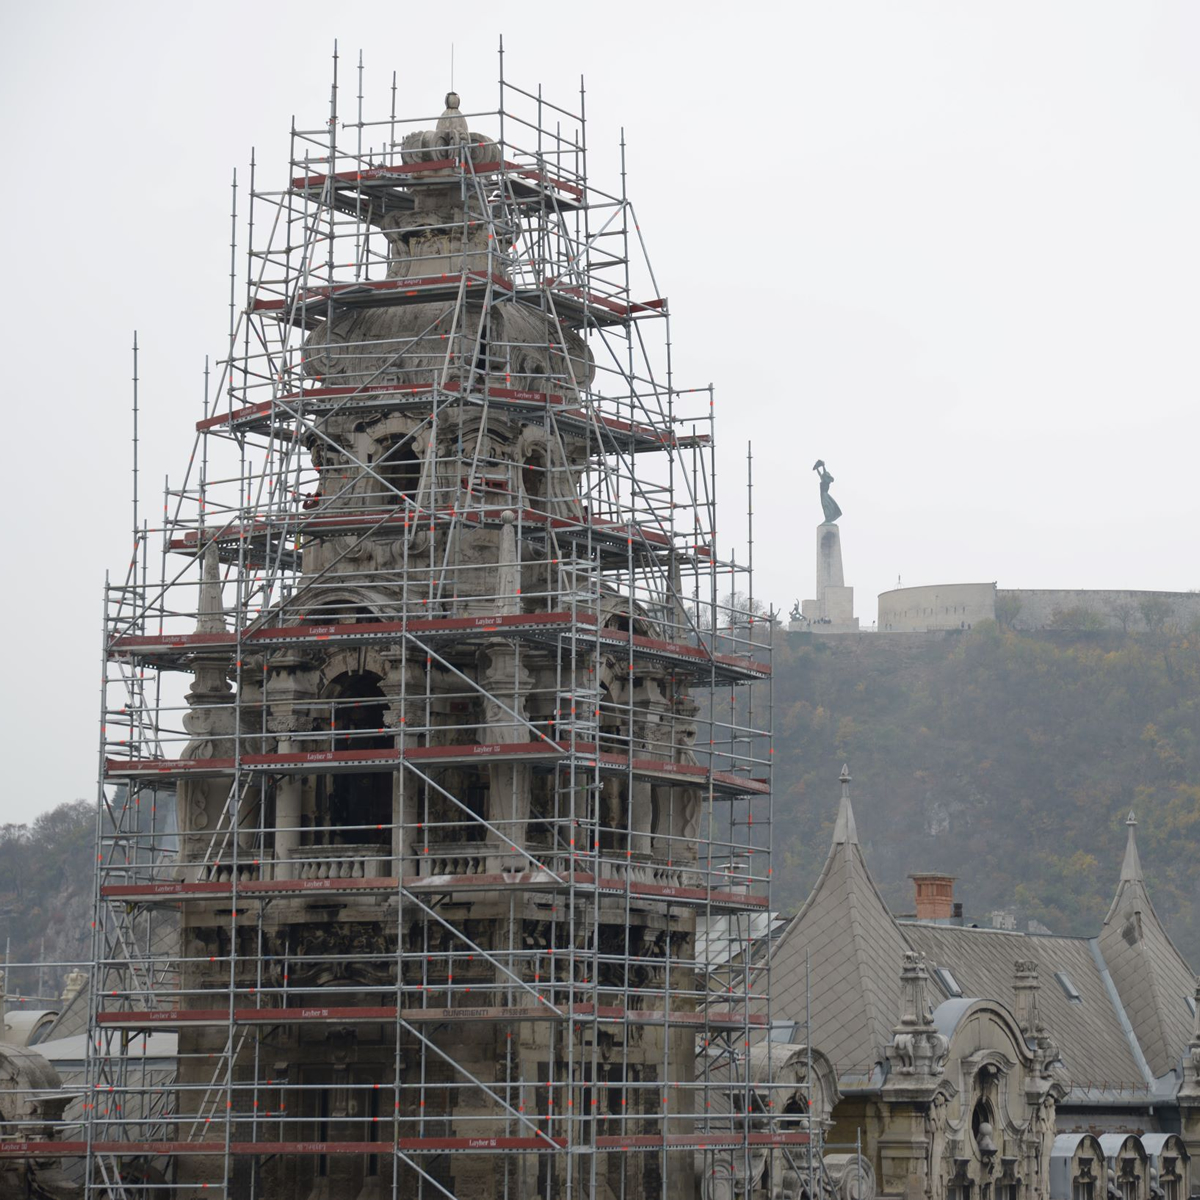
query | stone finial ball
[451, 99]
[508, 517]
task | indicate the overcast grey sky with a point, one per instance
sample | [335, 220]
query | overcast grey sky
[951, 248]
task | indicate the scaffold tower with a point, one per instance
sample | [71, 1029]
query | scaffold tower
[435, 804]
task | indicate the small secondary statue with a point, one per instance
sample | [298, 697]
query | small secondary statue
[833, 609]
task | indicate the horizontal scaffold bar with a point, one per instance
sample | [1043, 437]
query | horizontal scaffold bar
[577, 304]
[418, 289]
[616, 540]
[157, 1018]
[568, 412]
[404, 173]
[536, 626]
[541, 880]
[717, 1140]
[585, 755]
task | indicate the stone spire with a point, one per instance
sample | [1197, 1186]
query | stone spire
[1131, 868]
[210, 614]
[844, 830]
[1026, 986]
[917, 1048]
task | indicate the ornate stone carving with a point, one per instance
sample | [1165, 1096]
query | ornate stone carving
[917, 1049]
[1026, 986]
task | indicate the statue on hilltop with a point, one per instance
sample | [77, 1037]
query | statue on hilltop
[828, 504]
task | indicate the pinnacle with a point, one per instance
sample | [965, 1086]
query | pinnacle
[1131, 868]
[845, 832]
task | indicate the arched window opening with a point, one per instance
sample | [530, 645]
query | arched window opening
[399, 470]
[356, 809]
[533, 479]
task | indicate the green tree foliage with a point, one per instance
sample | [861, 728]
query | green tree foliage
[1010, 760]
[1077, 619]
[1155, 611]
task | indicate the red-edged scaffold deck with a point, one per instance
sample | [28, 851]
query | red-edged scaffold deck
[408, 173]
[534, 881]
[616, 540]
[274, 541]
[576, 304]
[327, 762]
[715, 1140]
[566, 412]
[375, 292]
[175, 1018]
[728, 668]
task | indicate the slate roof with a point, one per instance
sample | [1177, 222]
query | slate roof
[1150, 975]
[1128, 1027]
[855, 952]
[1090, 1034]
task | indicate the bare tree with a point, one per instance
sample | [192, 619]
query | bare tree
[1122, 611]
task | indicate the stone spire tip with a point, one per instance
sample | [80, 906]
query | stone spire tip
[1131, 868]
[845, 832]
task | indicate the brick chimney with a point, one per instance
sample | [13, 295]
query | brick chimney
[935, 896]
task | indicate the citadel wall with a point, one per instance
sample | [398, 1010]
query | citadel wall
[953, 606]
[938, 606]
[1126, 610]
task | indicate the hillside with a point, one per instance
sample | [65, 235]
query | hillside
[1009, 760]
[46, 880]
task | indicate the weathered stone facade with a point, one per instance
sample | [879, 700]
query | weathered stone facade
[447, 801]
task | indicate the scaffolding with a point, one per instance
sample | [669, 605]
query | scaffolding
[476, 729]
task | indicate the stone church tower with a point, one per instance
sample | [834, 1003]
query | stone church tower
[444, 827]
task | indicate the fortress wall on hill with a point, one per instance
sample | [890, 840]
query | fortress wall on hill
[938, 606]
[1126, 610]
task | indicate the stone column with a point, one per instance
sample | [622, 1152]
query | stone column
[682, 822]
[287, 818]
[291, 686]
[911, 1148]
[508, 684]
[404, 686]
[651, 739]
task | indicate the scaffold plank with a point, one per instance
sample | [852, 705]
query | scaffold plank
[571, 413]
[405, 173]
[157, 1018]
[371, 293]
[578, 303]
[546, 881]
[325, 762]
[728, 667]
[716, 1140]
[620, 540]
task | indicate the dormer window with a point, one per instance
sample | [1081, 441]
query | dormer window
[783, 1031]
[948, 982]
[1069, 989]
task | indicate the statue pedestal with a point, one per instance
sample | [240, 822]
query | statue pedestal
[829, 558]
[833, 609]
